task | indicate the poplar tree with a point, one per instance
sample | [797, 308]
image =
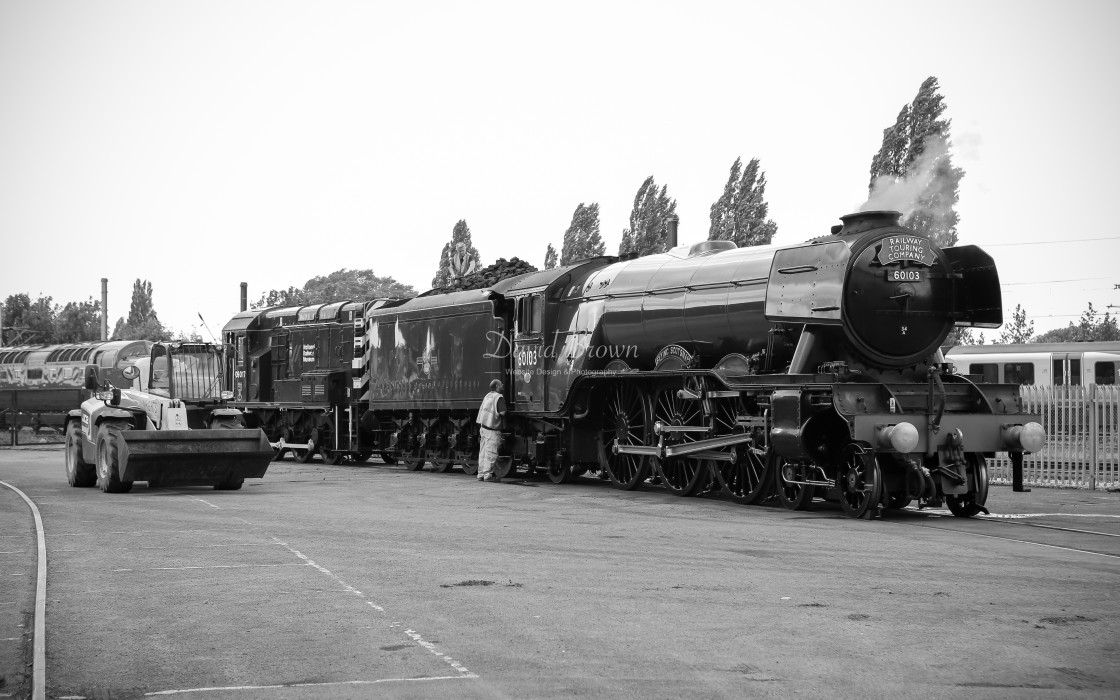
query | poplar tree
[460, 240]
[142, 322]
[582, 239]
[647, 231]
[550, 258]
[913, 171]
[739, 215]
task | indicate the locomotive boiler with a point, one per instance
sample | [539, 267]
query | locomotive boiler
[796, 371]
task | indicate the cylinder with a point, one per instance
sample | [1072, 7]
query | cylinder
[104, 308]
[244, 296]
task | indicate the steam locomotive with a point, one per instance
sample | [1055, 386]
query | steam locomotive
[788, 371]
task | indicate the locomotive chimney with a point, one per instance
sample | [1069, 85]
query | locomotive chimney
[867, 220]
[671, 230]
[244, 296]
[104, 308]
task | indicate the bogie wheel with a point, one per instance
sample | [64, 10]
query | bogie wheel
[505, 468]
[860, 482]
[387, 458]
[973, 502]
[279, 454]
[897, 501]
[786, 472]
[625, 419]
[559, 473]
[682, 476]
[470, 467]
[109, 461]
[361, 457]
[302, 456]
[329, 456]
[445, 436]
[79, 473]
[411, 457]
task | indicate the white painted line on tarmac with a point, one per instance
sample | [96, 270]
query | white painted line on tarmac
[1016, 516]
[415, 636]
[15, 551]
[346, 586]
[207, 503]
[39, 647]
[308, 685]
[432, 648]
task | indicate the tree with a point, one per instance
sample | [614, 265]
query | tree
[1088, 329]
[550, 258]
[647, 232]
[962, 335]
[78, 322]
[28, 322]
[344, 285]
[739, 215]
[142, 322]
[1018, 331]
[460, 241]
[582, 239]
[913, 171]
[292, 296]
[340, 285]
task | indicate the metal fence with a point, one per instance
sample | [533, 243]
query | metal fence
[1082, 440]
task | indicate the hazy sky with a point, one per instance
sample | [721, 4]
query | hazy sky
[199, 145]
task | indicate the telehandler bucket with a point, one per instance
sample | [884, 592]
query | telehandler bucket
[192, 457]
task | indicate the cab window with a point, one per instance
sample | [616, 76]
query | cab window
[529, 312]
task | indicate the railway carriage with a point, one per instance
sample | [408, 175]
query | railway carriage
[39, 384]
[1041, 364]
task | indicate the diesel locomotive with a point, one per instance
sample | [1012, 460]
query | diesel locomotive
[802, 371]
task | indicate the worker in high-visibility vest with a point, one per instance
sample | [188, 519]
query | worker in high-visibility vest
[491, 419]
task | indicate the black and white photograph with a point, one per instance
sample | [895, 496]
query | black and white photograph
[366, 349]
